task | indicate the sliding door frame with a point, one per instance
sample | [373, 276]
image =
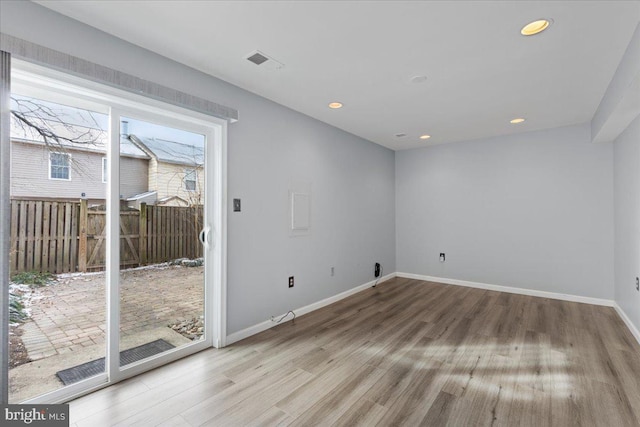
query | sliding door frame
[121, 103]
[5, 218]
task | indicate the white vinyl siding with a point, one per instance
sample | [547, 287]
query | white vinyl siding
[60, 166]
[30, 174]
[169, 180]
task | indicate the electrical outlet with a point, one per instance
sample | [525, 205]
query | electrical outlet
[291, 281]
[376, 269]
[237, 205]
[442, 257]
[638, 284]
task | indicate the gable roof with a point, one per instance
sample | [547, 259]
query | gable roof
[77, 123]
[168, 199]
[127, 148]
[171, 151]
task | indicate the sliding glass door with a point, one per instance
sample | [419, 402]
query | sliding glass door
[162, 261]
[115, 265]
[58, 319]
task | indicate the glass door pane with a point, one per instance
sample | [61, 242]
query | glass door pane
[162, 268]
[57, 256]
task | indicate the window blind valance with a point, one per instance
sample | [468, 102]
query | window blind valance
[40, 55]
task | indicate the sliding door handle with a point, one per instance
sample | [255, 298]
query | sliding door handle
[204, 236]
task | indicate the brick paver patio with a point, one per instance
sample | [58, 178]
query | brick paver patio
[70, 315]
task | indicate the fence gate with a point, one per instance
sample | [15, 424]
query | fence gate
[92, 241]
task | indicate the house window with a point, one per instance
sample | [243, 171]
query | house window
[104, 169]
[60, 166]
[190, 177]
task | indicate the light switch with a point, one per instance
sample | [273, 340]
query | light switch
[236, 205]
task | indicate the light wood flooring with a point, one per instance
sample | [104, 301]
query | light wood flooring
[404, 353]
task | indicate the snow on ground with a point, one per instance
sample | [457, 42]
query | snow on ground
[161, 266]
[29, 296]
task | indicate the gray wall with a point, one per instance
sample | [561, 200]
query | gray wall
[627, 220]
[352, 211]
[270, 148]
[619, 105]
[532, 211]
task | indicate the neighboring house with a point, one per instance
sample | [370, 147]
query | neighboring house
[73, 172]
[152, 171]
[175, 170]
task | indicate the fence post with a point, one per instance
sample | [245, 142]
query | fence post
[82, 236]
[142, 231]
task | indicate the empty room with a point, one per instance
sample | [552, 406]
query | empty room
[274, 213]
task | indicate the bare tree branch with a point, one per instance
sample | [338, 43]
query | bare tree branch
[40, 121]
[32, 116]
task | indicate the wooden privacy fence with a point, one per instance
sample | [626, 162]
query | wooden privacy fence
[63, 237]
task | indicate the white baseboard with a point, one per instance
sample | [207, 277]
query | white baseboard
[511, 290]
[267, 324]
[634, 331]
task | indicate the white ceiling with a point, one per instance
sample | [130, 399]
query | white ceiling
[481, 71]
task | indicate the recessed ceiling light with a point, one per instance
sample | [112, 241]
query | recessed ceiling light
[335, 105]
[535, 27]
[418, 79]
[425, 136]
[516, 121]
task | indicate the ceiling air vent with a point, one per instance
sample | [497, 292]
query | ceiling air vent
[259, 58]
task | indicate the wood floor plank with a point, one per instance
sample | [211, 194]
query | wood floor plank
[330, 408]
[243, 414]
[88, 405]
[496, 396]
[177, 404]
[472, 359]
[210, 408]
[199, 365]
[271, 417]
[325, 382]
[141, 401]
[390, 385]
[440, 411]
[612, 406]
[404, 353]
[395, 349]
[412, 405]
[176, 421]
[363, 413]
